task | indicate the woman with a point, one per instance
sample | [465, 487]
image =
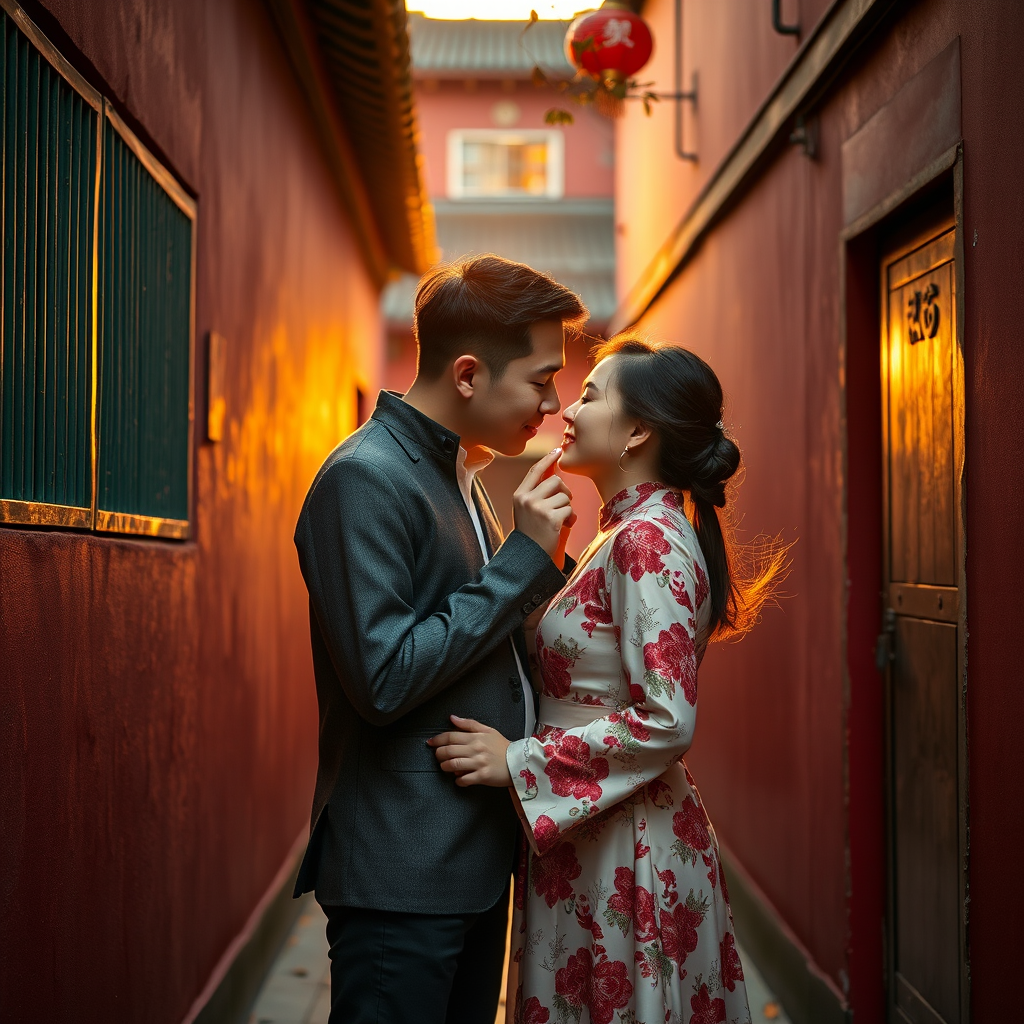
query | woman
[622, 912]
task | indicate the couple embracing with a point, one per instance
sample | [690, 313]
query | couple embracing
[461, 741]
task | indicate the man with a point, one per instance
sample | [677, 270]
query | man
[416, 613]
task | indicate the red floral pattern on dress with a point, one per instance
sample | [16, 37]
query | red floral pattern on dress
[645, 922]
[610, 990]
[622, 504]
[590, 591]
[711, 863]
[691, 829]
[673, 500]
[573, 772]
[660, 793]
[703, 586]
[637, 549]
[679, 933]
[545, 833]
[671, 658]
[732, 969]
[533, 1013]
[554, 668]
[620, 903]
[585, 917]
[572, 982]
[610, 932]
[705, 1009]
[677, 584]
[554, 873]
[602, 987]
[668, 878]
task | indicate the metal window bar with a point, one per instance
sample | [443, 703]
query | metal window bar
[50, 153]
[146, 341]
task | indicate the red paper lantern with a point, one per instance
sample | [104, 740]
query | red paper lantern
[611, 43]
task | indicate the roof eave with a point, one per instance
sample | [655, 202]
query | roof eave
[406, 241]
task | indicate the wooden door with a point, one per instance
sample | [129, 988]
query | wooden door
[923, 639]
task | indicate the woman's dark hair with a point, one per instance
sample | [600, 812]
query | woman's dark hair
[486, 305]
[678, 396]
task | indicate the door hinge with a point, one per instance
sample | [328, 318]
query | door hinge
[885, 647]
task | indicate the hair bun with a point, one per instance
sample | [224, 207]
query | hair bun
[713, 494]
[721, 460]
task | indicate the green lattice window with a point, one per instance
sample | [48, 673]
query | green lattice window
[96, 288]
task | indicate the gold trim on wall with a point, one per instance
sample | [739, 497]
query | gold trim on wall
[38, 513]
[148, 526]
[163, 177]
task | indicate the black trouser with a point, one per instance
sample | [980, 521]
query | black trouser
[396, 968]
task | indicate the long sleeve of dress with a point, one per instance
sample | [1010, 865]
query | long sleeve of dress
[645, 590]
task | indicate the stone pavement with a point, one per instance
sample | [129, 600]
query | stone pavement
[298, 988]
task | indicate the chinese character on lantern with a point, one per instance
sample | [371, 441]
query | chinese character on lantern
[611, 43]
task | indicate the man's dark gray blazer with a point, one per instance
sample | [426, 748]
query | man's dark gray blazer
[409, 626]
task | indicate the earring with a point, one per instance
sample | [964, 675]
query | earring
[625, 452]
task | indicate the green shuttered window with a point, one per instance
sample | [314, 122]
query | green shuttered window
[145, 326]
[49, 175]
[97, 304]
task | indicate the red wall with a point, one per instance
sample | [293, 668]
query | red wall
[444, 106]
[789, 747]
[730, 46]
[157, 711]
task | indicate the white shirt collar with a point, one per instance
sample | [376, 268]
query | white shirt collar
[466, 468]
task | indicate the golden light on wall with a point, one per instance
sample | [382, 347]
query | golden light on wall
[216, 380]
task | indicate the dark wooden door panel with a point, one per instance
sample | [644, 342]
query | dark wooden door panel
[923, 601]
[921, 335]
[926, 828]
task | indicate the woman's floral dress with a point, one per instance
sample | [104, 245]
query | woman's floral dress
[621, 911]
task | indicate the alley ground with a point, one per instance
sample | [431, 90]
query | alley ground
[298, 987]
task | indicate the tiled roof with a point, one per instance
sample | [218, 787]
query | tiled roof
[352, 59]
[487, 49]
[572, 240]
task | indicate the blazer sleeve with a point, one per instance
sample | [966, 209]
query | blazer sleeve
[357, 554]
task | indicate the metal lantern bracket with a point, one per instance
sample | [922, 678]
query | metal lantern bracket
[783, 30]
[679, 96]
[805, 134]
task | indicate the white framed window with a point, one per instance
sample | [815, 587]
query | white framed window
[499, 163]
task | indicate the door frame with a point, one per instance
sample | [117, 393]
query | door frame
[866, 695]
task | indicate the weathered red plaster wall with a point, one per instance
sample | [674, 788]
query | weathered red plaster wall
[157, 713]
[731, 48]
[761, 300]
[992, 40]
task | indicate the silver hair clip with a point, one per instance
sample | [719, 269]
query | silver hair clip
[720, 425]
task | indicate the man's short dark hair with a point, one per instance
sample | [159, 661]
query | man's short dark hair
[485, 305]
